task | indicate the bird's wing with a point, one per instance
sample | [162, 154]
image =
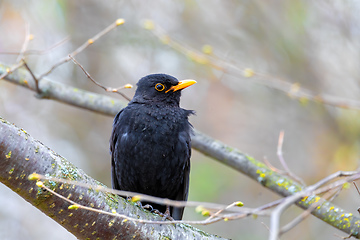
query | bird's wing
[113, 142]
[177, 212]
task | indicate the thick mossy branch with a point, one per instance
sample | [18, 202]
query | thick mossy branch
[21, 155]
[256, 170]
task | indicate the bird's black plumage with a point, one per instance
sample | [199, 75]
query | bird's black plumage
[150, 142]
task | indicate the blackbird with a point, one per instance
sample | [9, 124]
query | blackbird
[150, 143]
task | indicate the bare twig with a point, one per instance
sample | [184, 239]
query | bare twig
[12, 69]
[307, 212]
[275, 216]
[90, 41]
[138, 196]
[352, 175]
[108, 89]
[336, 192]
[215, 215]
[33, 76]
[28, 37]
[341, 237]
[266, 226]
[38, 52]
[272, 167]
[76, 205]
[283, 162]
[357, 189]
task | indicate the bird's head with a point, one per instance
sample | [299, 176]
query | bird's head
[160, 88]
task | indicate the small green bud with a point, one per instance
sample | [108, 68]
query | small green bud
[34, 176]
[75, 206]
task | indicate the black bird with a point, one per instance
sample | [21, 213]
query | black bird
[150, 143]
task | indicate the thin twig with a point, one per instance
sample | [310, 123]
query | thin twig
[306, 213]
[26, 42]
[90, 41]
[237, 212]
[12, 69]
[351, 176]
[336, 194]
[108, 89]
[272, 167]
[138, 196]
[357, 189]
[38, 52]
[313, 189]
[207, 221]
[33, 76]
[76, 205]
[262, 210]
[222, 210]
[358, 193]
[283, 162]
[266, 226]
[347, 237]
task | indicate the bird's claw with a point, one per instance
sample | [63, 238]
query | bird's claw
[164, 216]
[149, 207]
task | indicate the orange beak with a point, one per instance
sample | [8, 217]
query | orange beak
[181, 85]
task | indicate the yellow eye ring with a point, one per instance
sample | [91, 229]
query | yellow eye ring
[159, 87]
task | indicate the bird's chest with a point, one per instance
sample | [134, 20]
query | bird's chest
[157, 126]
[152, 138]
[152, 151]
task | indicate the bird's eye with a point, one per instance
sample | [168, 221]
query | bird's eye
[159, 87]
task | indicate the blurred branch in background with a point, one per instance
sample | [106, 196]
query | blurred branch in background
[36, 52]
[107, 89]
[28, 38]
[207, 57]
[90, 41]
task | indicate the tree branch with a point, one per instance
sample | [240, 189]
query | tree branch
[63, 93]
[21, 155]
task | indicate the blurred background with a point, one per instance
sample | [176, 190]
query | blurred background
[315, 44]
